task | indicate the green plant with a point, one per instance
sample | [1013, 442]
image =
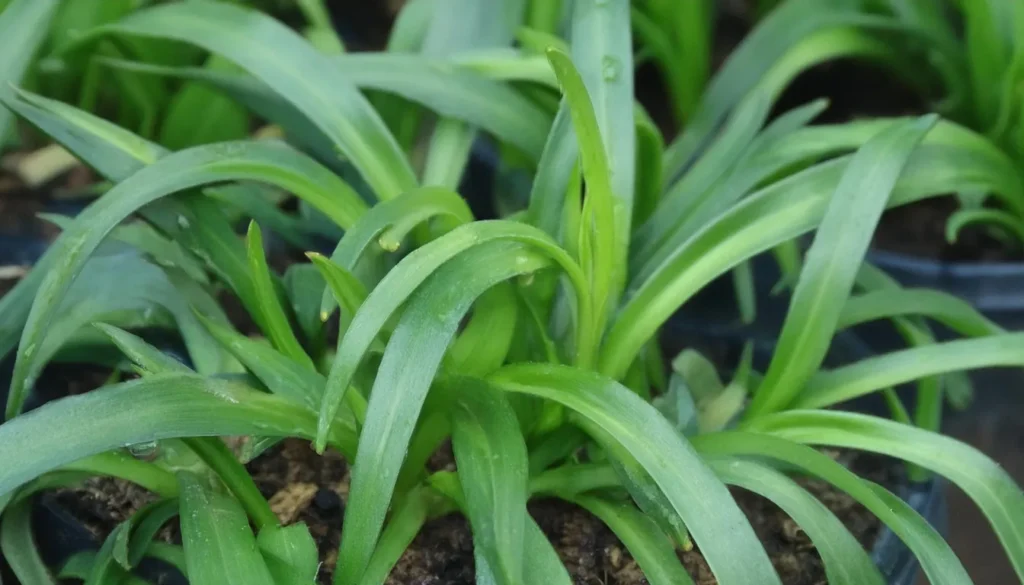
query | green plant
[37, 57]
[965, 56]
[523, 339]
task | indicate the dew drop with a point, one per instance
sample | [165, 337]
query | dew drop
[610, 68]
[388, 244]
[183, 222]
[146, 450]
[31, 349]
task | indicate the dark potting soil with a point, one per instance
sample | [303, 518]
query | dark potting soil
[919, 230]
[304, 487]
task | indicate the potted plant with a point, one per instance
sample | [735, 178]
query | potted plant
[530, 342]
[963, 60]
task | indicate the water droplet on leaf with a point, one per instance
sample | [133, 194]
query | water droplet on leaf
[610, 68]
[389, 244]
[183, 222]
[146, 450]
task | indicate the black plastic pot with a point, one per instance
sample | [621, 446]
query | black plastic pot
[897, 563]
[994, 288]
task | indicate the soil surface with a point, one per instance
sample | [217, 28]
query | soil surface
[919, 230]
[303, 487]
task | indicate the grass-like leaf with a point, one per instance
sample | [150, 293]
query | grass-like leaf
[988, 484]
[602, 50]
[161, 407]
[898, 367]
[951, 311]
[279, 329]
[776, 214]
[846, 561]
[18, 546]
[406, 520]
[23, 26]
[718, 527]
[767, 43]
[937, 559]
[650, 547]
[833, 260]
[298, 72]
[270, 162]
[400, 283]
[388, 223]
[290, 554]
[491, 456]
[406, 372]
[220, 548]
[605, 222]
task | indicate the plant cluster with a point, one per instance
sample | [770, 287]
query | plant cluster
[530, 341]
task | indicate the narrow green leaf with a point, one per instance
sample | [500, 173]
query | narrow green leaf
[141, 353]
[23, 26]
[992, 217]
[552, 179]
[846, 561]
[449, 90]
[400, 283]
[737, 136]
[602, 50]
[605, 222]
[406, 521]
[145, 238]
[19, 548]
[302, 284]
[780, 212]
[410, 26]
[988, 484]
[935, 556]
[898, 367]
[832, 263]
[347, 290]
[387, 224]
[220, 548]
[159, 407]
[484, 342]
[279, 329]
[410, 362]
[643, 539]
[283, 60]
[769, 42]
[219, 458]
[491, 456]
[198, 115]
[275, 163]
[280, 374]
[105, 568]
[718, 527]
[647, 190]
[290, 554]
[143, 534]
[945, 308]
[544, 565]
